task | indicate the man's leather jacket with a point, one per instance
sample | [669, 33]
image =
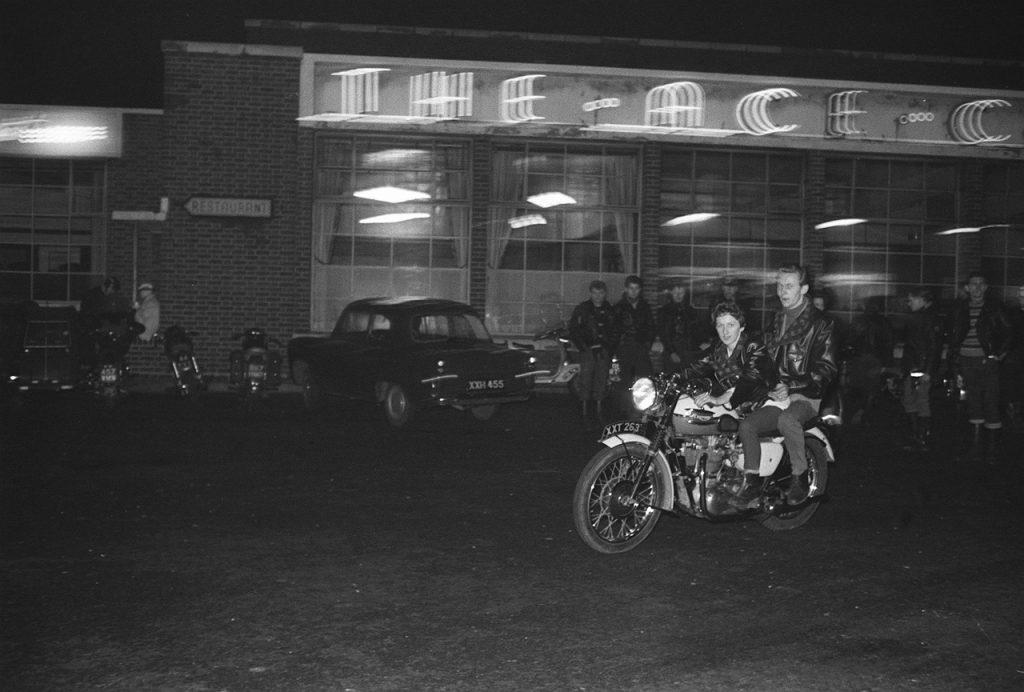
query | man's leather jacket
[994, 330]
[806, 354]
[592, 326]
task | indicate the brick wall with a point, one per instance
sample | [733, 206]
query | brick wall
[229, 130]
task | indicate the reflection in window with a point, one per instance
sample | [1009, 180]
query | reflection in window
[759, 201]
[371, 246]
[905, 202]
[542, 259]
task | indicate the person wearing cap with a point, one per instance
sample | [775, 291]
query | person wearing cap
[147, 312]
[680, 330]
[590, 329]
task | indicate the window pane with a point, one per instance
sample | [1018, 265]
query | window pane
[871, 173]
[711, 166]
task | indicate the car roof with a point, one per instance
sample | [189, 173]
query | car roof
[407, 303]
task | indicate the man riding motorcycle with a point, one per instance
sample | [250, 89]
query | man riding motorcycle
[802, 346]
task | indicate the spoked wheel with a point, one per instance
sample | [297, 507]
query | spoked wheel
[398, 406]
[787, 517]
[609, 516]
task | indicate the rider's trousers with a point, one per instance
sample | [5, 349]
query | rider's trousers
[790, 424]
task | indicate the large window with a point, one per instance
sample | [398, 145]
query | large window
[1002, 240]
[52, 226]
[730, 214]
[905, 204]
[560, 216]
[391, 218]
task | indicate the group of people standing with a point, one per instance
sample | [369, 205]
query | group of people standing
[780, 380]
[781, 377]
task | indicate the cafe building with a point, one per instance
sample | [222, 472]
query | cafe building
[320, 163]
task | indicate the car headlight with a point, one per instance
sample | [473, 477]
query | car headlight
[645, 394]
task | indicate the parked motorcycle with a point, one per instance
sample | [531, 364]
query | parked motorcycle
[108, 345]
[565, 370]
[684, 459]
[255, 367]
[189, 381]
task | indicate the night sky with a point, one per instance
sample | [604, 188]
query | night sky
[107, 52]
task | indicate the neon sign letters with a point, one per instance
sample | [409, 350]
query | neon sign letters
[376, 94]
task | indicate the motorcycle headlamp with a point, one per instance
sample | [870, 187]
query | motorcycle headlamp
[645, 394]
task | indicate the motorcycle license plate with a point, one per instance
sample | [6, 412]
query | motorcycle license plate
[622, 427]
[108, 375]
[486, 385]
[257, 371]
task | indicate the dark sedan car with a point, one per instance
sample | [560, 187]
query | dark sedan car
[411, 353]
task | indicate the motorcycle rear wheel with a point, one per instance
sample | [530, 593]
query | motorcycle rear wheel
[786, 519]
[606, 514]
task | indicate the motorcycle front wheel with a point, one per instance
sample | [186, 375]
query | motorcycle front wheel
[608, 515]
[786, 518]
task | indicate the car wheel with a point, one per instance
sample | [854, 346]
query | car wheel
[398, 406]
[484, 412]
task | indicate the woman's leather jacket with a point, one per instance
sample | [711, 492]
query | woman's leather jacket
[750, 370]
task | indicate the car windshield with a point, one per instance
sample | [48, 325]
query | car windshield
[449, 327]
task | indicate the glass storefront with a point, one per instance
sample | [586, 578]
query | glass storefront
[52, 228]
[729, 214]
[1002, 242]
[391, 218]
[544, 249]
[905, 204]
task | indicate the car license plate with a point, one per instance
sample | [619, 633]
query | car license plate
[108, 375]
[486, 385]
[256, 371]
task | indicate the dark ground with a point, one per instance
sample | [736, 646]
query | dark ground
[165, 548]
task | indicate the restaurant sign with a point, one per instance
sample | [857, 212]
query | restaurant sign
[229, 206]
[469, 96]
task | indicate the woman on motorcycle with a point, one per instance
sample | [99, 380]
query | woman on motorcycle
[740, 370]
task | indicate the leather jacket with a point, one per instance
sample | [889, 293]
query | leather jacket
[679, 328]
[750, 370]
[922, 349]
[806, 354]
[634, 322]
[994, 330]
[591, 326]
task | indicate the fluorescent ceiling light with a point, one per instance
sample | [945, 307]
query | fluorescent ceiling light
[396, 218]
[359, 71]
[690, 218]
[839, 223]
[955, 231]
[390, 194]
[550, 199]
[527, 220]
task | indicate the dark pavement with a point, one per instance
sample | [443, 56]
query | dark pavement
[167, 547]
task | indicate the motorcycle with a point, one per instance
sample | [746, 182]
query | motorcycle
[109, 343]
[180, 352]
[684, 459]
[255, 367]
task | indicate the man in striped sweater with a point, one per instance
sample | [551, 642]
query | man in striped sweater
[979, 339]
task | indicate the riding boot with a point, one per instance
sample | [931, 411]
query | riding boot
[599, 412]
[749, 493]
[585, 413]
